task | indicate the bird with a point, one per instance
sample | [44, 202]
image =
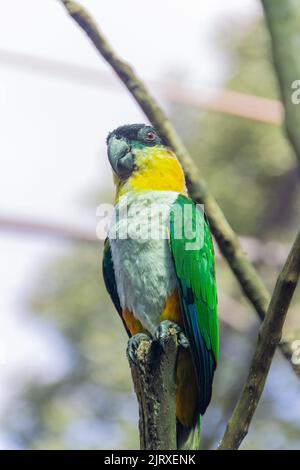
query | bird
[159, 267]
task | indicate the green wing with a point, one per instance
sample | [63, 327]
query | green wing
[110, 280]
[193, 255]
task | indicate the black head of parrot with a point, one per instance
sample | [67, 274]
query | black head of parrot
[122, 142]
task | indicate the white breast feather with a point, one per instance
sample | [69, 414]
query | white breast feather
[144, 270]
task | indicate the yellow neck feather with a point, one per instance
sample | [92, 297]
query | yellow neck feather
[157, 169]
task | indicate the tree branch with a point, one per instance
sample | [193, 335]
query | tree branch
[283, 19]
[249, 280]
[268, 339]
[153, 374]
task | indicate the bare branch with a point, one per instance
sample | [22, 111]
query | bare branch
[251, 283]
[283, 19]
[153, 374]
[268, 339]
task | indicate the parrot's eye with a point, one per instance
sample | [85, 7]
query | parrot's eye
[151, 135]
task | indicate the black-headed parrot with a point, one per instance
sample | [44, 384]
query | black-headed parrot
[159, 267]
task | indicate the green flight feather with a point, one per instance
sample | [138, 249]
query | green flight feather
[193, 256]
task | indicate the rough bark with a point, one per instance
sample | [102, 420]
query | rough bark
[153, 374]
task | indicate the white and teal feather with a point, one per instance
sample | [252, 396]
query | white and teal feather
[143, 264]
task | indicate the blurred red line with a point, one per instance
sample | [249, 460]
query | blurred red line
[271, 253]
[225, 101]
[31, 227]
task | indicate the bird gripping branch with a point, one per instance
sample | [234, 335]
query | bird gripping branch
[159, 267]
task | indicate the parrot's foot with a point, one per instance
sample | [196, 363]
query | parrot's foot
[162, 332]
[133, 344]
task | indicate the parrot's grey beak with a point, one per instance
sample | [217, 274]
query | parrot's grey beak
[120, 157]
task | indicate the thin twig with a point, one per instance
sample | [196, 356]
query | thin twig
[268, 339]
[250, 282]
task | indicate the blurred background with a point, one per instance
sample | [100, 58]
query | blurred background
[64, 378]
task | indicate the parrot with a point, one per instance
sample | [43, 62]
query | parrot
[168, 278]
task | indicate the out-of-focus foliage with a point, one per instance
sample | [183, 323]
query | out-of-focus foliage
[249, 166]
[92, 405]
[251, 169]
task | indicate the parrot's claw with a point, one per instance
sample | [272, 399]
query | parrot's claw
[133, 344]
[162, 332]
